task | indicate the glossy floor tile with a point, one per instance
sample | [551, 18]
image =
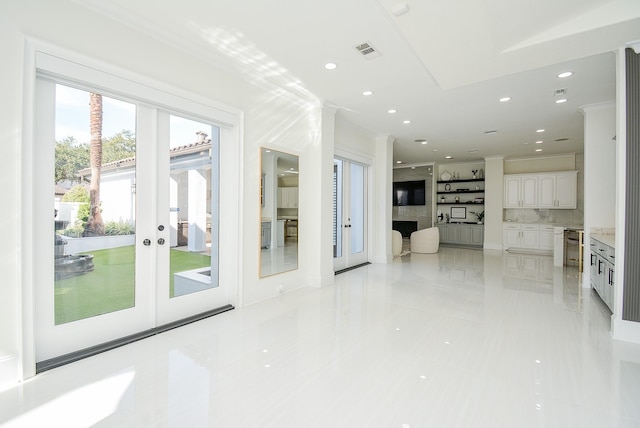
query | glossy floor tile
[460, 338]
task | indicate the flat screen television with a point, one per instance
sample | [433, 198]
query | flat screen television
[408, 193]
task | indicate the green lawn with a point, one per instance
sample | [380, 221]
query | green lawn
[110, 287]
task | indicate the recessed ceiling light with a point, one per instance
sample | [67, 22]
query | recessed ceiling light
[392, 111]
[406, 122]
[561, 100]
[413, 167]
[268, 151]
[435, 150]
[565, 74]
[330, 66]
[539, 142]
[539, 130]
[448, 157]
[421, 141]
[367, 93]
[398, 161]
[505, 99]
[538, 150]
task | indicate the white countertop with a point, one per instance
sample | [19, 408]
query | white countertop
[607, 239]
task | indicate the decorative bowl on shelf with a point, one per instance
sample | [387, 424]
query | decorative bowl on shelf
[445, 176]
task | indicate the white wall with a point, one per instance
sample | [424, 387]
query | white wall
[291, 120]
[494, 187]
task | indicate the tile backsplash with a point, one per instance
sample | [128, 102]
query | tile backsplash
[522, 215]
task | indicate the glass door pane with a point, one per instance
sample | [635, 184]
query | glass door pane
[349, 214]
[94, 204]
[192, 205]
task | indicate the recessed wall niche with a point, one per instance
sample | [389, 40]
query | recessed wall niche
[422, 214]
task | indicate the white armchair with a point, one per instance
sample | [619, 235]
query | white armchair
[396, 243]
[425, 241]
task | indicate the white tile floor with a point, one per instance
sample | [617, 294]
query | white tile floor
[455, 339]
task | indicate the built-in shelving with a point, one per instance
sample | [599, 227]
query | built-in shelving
[458, 193]
[470, 180]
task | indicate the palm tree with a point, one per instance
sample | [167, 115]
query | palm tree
[95, 224]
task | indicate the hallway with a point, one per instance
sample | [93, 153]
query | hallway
[454, 339]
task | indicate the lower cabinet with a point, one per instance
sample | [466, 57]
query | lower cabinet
[462, 234]
[537, 237]
[602, 271]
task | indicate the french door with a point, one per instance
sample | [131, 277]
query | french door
[143, 252]
[349, 214]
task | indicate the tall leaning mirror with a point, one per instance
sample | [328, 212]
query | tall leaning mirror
[278, 212]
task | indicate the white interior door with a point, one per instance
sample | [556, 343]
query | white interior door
[133, 271]
[349, 214]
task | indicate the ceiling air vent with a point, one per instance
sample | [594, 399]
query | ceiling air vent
[560, 92]
[561, 139]
[367, 50]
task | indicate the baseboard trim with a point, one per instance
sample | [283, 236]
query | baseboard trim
[52, 363]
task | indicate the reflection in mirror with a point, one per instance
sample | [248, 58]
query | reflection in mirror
[278, 212]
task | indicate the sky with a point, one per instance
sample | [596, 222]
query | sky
[72, 118]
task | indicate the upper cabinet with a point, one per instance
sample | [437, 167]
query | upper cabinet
[551, 190]
[287, 197]
[520, 191]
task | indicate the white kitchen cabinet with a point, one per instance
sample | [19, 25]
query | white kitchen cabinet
[536, 237]
[547, 191]
[602, 271]
[530, 236]
[546, 237]
[287, 197]
[521, 236]
[567, 190]
[520, 191]
[511, 236]
[552, 190]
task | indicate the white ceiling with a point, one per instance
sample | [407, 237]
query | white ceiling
[443, 65]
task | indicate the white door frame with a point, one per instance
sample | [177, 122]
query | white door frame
[47, 60]
[366, 161]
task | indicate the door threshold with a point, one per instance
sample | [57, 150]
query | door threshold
[351, 268]
[52, 363]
